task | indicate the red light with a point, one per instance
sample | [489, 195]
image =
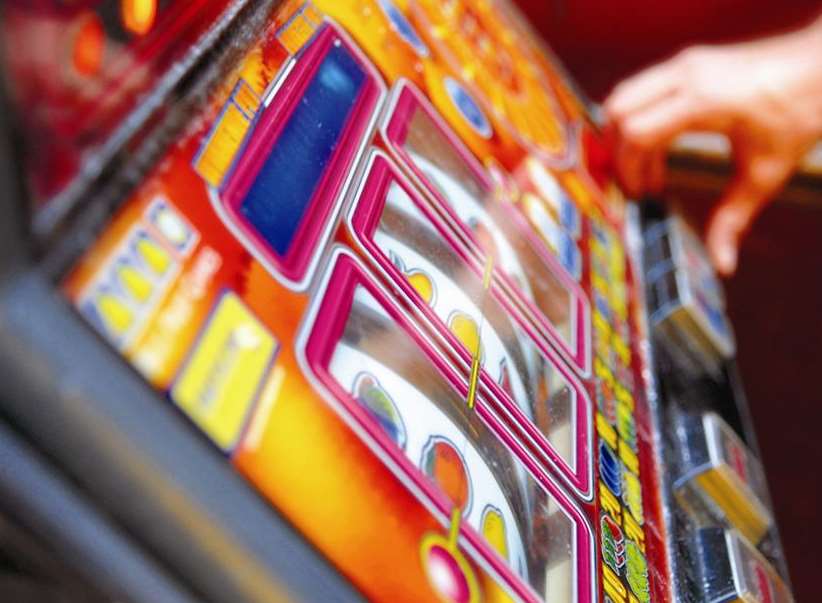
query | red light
[89, 45]
[138, 15]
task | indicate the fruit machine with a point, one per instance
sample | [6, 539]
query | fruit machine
[338, 300]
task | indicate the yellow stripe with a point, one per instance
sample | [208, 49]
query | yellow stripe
[739, 511]
[454, 530]
[489, 270]
[246, 99]
[302, 25]
[228, 136]
[474, 380]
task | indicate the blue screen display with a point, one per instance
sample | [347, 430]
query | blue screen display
[275, 204]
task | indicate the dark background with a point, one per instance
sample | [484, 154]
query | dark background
[775, 299]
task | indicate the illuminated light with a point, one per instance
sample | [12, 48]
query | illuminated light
[89, 46]
[115, 313]
[172, 227]
[138, 286]
[138, 16]
[157, 258]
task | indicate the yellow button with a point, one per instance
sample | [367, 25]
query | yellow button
[219, 384]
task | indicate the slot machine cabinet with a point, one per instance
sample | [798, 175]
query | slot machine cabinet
[337, 300]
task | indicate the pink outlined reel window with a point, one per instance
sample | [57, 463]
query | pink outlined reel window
[465, 194]
[401, 233]
[385, 377]
[283, 193]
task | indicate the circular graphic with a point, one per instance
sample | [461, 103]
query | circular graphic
[370, 395]
[475, 40]
[448, 570]
[468, 108]
[443, 463]
[404, 28]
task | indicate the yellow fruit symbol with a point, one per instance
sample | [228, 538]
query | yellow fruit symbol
[465, 328]
[493, 529]
[419, 279]
[423, 284]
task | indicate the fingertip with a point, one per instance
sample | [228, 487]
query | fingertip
[724, 233]
[613, 106]
[725, 258]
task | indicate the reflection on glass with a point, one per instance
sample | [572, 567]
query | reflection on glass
[455, 294]
[387, 373]
[474, 204]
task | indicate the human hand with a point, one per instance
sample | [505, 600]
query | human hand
[765, 96]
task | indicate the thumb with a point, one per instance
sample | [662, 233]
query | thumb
[754, 186]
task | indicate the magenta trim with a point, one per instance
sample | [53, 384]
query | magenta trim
[582, 335]
[267, 131]
[408, 100]
[586, 572]
[365, 218]
[334, 309]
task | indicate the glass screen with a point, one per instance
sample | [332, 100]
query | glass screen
[390, 377]
[455, 293]
[474, 204]
[276, 202]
